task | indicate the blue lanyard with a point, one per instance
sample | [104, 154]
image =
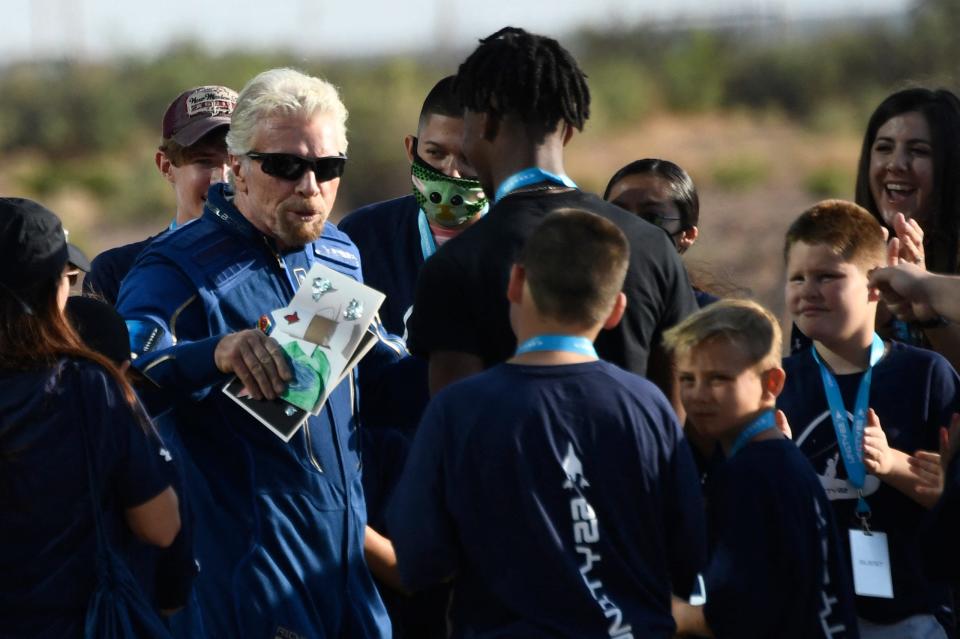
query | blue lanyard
[526, 177]
[850, 438]
[428, 246]
[757, 426]
[568, 343]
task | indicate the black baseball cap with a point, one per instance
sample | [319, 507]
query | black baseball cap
[33, 246]
[77, 257]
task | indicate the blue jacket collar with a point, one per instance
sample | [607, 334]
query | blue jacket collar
[220, 210]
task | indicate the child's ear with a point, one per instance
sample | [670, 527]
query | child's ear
[164, 164]
[687, 238]
[408, 141]
[873, 293]
[616, 314]
[515, 286]
[773, 380]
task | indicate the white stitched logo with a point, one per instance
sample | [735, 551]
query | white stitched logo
[586, 532]
[211, 101]
[573, 469]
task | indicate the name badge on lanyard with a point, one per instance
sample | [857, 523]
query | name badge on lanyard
[871, 564]
[869, 553]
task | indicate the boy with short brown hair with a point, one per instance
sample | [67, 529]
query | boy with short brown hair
[556, 490]
[192, 155]
[858, 406]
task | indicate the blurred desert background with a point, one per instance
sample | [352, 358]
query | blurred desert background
[764, 107]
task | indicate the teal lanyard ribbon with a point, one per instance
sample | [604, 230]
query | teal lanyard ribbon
[526, 177]
[428, 246]
[762, 423]
[566, 343]
[850, 437]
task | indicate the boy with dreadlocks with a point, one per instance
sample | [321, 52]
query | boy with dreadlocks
[515, 127]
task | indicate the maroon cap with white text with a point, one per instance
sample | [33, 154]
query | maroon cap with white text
[197, 112]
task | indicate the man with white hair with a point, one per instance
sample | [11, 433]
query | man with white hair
[279, 526]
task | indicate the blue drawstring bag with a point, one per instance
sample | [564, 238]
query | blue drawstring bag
[118, 609]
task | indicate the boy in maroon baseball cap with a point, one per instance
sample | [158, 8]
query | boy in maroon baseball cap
[192, 156]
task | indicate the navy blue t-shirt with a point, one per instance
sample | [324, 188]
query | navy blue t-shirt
[47, 537]
[563, 499]
[110, 267]
[387, 234]
[776, 568]
[913, 393]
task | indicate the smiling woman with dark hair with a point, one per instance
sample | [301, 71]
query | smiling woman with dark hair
[910, 164]
[908, 178]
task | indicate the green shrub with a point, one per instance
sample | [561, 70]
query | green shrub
[830, 181]
[740, 173]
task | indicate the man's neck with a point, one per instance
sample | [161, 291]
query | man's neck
[524, 154]
[846, 356]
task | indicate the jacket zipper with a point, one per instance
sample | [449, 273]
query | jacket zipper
[306, 427]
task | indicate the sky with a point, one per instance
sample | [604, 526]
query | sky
[100, 28]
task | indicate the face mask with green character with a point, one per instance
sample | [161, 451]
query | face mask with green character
[447, 201]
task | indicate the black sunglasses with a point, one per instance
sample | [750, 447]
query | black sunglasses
[287, 166]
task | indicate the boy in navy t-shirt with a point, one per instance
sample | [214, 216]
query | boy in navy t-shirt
[883, 400]
[555, 490]
[775, 567]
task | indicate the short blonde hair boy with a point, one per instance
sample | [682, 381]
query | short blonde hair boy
[748, 325]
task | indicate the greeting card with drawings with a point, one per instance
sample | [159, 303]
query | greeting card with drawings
[324, 332]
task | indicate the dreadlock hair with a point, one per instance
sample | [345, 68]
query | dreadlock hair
[529, 76]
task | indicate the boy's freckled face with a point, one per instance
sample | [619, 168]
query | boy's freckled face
[827, 296]
[719, 387]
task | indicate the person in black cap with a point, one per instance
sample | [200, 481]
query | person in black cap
[57, 400]
[78, 262]
[192, 156]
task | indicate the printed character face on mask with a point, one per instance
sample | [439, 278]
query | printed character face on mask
[447, 201]
[443, 181]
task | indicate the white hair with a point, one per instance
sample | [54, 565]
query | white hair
[283, 92]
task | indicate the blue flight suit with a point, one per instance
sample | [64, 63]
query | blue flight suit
[279, 526]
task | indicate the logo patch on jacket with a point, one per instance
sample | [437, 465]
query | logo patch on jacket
[337, 255]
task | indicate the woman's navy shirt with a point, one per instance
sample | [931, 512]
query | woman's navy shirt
[47, 538]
